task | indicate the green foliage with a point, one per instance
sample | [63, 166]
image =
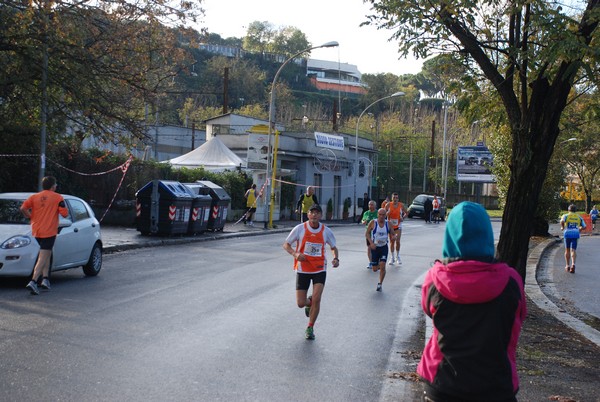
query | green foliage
[288, 192]
[103, 66]
[329, 207]
[347, 204]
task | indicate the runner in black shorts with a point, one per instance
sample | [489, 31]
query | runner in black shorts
[310, 239]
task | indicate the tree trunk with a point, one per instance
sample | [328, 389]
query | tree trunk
[531, 154]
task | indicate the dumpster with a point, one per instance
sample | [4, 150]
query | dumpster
[219, 204]
[201, 208]
[163, 207]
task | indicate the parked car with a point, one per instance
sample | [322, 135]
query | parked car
[78, 244]
[417, 209]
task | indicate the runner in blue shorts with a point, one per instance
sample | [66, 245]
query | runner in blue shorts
[378, 235]
[570, 224]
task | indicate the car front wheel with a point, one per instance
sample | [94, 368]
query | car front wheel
[94, 264]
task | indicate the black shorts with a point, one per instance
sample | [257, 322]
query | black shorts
[378, 255]
[303, 280]
[251, 210]
[46, 243]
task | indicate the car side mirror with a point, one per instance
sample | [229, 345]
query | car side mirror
[63, 222]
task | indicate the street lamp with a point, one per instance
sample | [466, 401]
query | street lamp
[356, 140]
[272, 153]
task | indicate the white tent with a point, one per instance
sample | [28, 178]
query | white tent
[213, 155]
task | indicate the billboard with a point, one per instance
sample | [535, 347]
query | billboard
[473, 164]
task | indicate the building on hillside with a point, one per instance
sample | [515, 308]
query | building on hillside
[162, 142]
[323, 160]
[327, 76]
[335, 77]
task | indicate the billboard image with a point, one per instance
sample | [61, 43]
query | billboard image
[473, 164]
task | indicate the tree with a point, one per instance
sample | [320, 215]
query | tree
[531, 53]
[258, 36]
[579, 148]
[105, 62]
[289, 41]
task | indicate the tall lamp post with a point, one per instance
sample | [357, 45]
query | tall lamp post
[356, 141]
[271, 156]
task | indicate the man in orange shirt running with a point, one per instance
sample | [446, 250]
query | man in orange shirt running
[43, 209]
[395, 215]
[310, 263]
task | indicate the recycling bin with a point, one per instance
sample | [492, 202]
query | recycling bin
[201, 208]
[163, 207]
[220, 201]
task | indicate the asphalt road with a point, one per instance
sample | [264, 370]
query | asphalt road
[209, 321]
[580, 289]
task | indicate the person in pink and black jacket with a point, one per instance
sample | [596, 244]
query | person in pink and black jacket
[477, 306]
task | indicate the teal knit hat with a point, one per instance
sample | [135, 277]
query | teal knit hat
[468, 234]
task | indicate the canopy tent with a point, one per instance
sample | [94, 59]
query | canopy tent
[213, 155]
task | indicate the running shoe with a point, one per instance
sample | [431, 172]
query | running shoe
[379, 287]
[45, 284]
[33, 288]
[309, 334]
[393, 261]
[307, 308]
[368, 267]
[398, 260]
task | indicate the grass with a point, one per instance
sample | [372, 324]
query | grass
[493, 213]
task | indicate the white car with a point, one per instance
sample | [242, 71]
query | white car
[78, 244]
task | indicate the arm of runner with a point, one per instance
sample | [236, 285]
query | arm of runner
[297, 255]
[336, 260]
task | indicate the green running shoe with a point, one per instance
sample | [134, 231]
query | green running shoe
[310, 333]
[307, 308]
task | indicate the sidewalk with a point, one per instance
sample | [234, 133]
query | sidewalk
[116, 238]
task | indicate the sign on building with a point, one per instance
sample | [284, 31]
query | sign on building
[329, 141]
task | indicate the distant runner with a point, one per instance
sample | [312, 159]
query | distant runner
[378, 234]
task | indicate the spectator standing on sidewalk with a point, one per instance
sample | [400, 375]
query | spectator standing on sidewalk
[365, 206]
[436, 209]
[570, 224]
[42, 209]
[427, 208]
[594, 216]
[304, 203]
[251, 198]
[477, 306]
[310, 263]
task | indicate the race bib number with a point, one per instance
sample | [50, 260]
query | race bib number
[380, 242]
[394, 222]
[313, 249]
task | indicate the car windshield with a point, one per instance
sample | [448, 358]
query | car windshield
[10, 212]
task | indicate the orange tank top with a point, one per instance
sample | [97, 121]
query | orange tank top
[313, 248]
[395, 216]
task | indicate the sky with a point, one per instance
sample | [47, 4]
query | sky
[321, 21]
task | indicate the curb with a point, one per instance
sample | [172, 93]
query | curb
[206, 236]
[188, 239]
[534, 291]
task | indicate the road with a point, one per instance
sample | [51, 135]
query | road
[209, 321]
